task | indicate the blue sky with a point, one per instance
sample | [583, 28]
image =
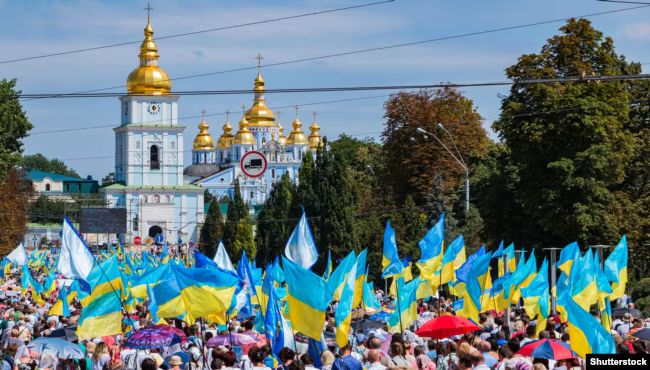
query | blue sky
[37, 27]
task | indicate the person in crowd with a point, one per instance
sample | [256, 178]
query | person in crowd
[257, 356]
[308, 361]
[327, 359]
[397, 353]
[346, 361]
[374, 361]
[100, 356]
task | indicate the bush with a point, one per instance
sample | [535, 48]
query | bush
[641, 289]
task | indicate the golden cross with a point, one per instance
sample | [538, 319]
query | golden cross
[314, 116]
[227, 114]
[297, 107]
[203, 114]
[243, 107]
[278, 112]
[259, 60]
[148, 9]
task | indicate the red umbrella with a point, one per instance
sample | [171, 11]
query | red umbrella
[551, 349]
[446, 326]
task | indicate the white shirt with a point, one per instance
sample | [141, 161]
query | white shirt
[376, 366]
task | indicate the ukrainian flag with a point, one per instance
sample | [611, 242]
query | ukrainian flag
[561, 292]
[568, 254]
[463, 272]
[424, 289]
[390, 261]
[308, 295]
[582, 281]
[606, 315]
[512, 260]
[604, 289]
[498, 299]
[59, 307]
[102, 317]
[587, 335]
[453, 259]
[337, 278]
[360, 278]
[343, 313]
[431, 247]
[50, 284]
[536, 297]
[481, 271]
[472, 297]
[616, 269]
[139, 283]
[328, 269]
[407, 262]
[406, 308]
[28, 281]
[103, 278]
[369, 298]
[524, 278]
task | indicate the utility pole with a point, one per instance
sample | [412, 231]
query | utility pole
[553, 274]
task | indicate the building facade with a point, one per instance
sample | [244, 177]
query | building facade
[149, 156]
[60, 187]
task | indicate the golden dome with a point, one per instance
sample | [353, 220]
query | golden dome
[148, 78]
[282, 140]
[244, 136]
[259, 114]
[297, 137]
[203, 141]
[225, 141]
[314, 139]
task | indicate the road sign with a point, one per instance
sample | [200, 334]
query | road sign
[159, 239]
[148, 240]
[81, 235]
[253, 164]
[137, 240]
[180, 241]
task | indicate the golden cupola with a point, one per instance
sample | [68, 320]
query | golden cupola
[244, 136]
[314, 139]
[225, 141]
[259, 114]
[148, 78]
[282, 140]
[297, 137]
[203, 141]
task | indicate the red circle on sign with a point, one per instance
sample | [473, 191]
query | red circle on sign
[246, 166]
[137, 240]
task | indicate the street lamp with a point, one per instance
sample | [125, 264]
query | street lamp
[460, 161]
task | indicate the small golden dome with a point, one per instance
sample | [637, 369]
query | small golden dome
[148, 78]
[297, 137]
[259, 114]
[282, 140]
[314, 139]
[203, 141]
[225, 141]
[244, 136]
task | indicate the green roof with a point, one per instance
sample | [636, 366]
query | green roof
[40, 175]
[32, 225]
[117, 186]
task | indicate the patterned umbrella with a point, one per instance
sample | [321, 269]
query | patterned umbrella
[225, 340]
[154, 337]
[58, 347]
[551, 349]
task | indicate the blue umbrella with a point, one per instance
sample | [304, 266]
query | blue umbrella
[60, 348]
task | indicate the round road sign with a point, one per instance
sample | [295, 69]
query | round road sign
[159, 239]
[253, 164]
[137, 240]
[148, 240]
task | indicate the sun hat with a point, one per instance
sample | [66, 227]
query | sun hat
[176, 361]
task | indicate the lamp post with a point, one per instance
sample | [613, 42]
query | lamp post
[460, 161]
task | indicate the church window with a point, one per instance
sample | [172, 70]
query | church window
[263, 141]
[300, 154]
[237, 153]
[156, 198]
[220, 157]
[273, 173]
[67, 187]
[79, 187]
[222, 179]
[135, 223]
[169, 199]
[137, 144]
[251, 197]
[172, 145]
[47, 187]
[154, 161]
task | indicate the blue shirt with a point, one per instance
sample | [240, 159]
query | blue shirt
[432, 355]
[489, 360]
[347, 363]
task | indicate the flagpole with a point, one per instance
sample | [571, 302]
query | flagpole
[506, 269]
[399, 310]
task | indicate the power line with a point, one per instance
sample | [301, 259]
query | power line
[358, 88]
[384, 47]
[194, 32]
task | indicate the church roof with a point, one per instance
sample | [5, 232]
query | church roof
[200, 170]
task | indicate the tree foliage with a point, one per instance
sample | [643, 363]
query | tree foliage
[273, 228]
[108, 179]
[14, 126]
[15, 192]
[212, 230]
[234, 236]
[40, 162]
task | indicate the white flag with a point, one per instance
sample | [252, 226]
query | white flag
[75, 261]
[19, 255]
[222, 260]
[301, 248]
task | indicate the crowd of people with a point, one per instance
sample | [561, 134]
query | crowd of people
[495, 346]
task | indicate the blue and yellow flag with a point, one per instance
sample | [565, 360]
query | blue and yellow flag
[587, 335]
[616, 269]
[473, 292]
[390, 262]
[50, 284]
[276, 328]
[431, 247]
[369, 298]
[561, 292]
[604, 289]
[582, 281]
[308, 295]
[568, 254]
[453, 259]
[328, 268]
[58, 308]
[360, 278]
[104, 277]
[463, 272]
[138, 287]
[102, 317]
[512, 260]
[27, 281]
[536, 297]
[343, 314]
[337, 278]
[407, 262]
[606, 315]
[406, 307]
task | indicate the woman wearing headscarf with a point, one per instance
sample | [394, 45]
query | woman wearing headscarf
[22, 360]
[48, 362]
[425, 363]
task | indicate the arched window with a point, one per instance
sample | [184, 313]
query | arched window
[220, 157]
[137, 144]
[154, 161]
[263, 141]
[47, 187]
[251, 197]
[169, 199]
[299, 154]
[144, 199]
[237, 153]
[273, 173]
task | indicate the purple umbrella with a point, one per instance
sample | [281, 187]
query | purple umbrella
[224, 340]
[152, 338]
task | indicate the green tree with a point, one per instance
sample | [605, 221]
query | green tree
[273, 230]
[244, 240]
[212, 230]
[14, 126]
[347, 147]
[15, 193]
[41, 163]
[410, 225]
[109, 179]
[46, 210]
[237, 213]
[208, 197]
[567, 162]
